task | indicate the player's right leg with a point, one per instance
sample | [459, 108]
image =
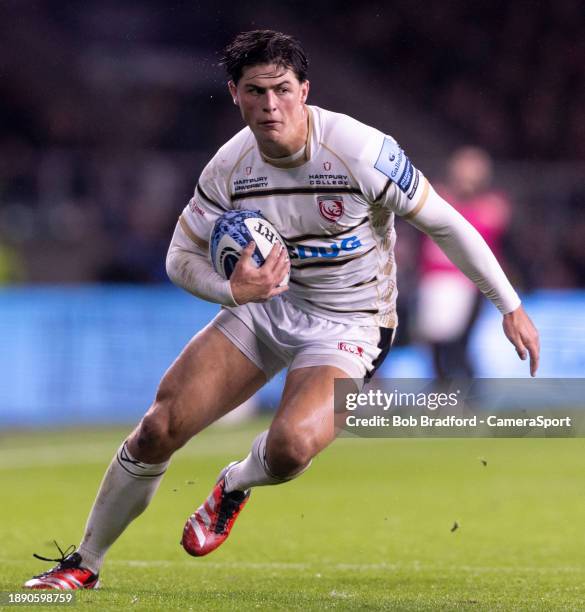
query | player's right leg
[302, 427]
[208, 379]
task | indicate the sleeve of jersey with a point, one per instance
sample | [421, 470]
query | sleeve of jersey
[210, 200]
[393, 182]
[389, 179]
[188, 266]
[465, 247]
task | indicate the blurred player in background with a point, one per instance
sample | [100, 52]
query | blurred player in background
[331, 186]
[448, 302]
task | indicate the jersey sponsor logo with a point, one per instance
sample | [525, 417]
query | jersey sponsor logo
[195, 208]
[351, 348]
[327, 252]
[330, 207]
[255, 182]
[328, 179]
[393, 163]
[411, 193]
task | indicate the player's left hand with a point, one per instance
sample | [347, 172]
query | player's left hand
[521, 332]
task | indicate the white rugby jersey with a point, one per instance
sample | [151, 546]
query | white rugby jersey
[334, 208]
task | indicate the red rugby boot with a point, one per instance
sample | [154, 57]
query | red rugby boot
[209, 526]
[67, 575]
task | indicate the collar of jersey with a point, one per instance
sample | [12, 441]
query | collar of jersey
[296, 159]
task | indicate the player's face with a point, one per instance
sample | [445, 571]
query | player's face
[272, 103]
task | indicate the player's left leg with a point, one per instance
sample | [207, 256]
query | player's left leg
[317, 351]
[303, 426]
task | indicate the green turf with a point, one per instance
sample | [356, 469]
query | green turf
[368, 527]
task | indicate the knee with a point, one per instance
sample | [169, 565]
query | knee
[157, 435]
[153, 437]
[289, 449]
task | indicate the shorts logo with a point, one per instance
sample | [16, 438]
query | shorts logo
[330, 207]
[351, 348]
[248, 170]
[327, 166]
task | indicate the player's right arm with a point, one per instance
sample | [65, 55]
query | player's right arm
[189, 267]
[188, 264]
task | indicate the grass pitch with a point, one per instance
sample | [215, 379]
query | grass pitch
[494, 524]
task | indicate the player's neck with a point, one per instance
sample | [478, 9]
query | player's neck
[292, 145]
[301, 153]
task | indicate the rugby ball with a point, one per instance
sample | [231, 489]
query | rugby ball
[233, 231]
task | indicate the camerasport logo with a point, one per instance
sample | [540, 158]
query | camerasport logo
[330, 207]
[351, 348]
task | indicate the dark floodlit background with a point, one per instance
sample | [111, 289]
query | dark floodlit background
[110, 110]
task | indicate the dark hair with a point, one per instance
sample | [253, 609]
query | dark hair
[264, 47]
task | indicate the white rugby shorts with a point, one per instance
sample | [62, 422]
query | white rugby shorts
[278, 334]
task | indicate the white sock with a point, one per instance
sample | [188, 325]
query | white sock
[253, 471]
[125, 492]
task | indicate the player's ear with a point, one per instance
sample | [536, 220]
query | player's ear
[233, 92]
[305, 86]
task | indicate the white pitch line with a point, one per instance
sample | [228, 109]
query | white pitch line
[327, 567]
[345, 566]
[49, 456]
[102, 452]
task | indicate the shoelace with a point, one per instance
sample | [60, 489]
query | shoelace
[229, 504]
[63, 564]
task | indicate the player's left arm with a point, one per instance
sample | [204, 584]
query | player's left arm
[388, 179]
[465, 247]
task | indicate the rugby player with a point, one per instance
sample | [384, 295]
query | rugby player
[331, 185]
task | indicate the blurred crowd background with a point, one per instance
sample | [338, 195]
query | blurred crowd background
[109, 110]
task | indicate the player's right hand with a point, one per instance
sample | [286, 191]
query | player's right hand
[252, 284]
